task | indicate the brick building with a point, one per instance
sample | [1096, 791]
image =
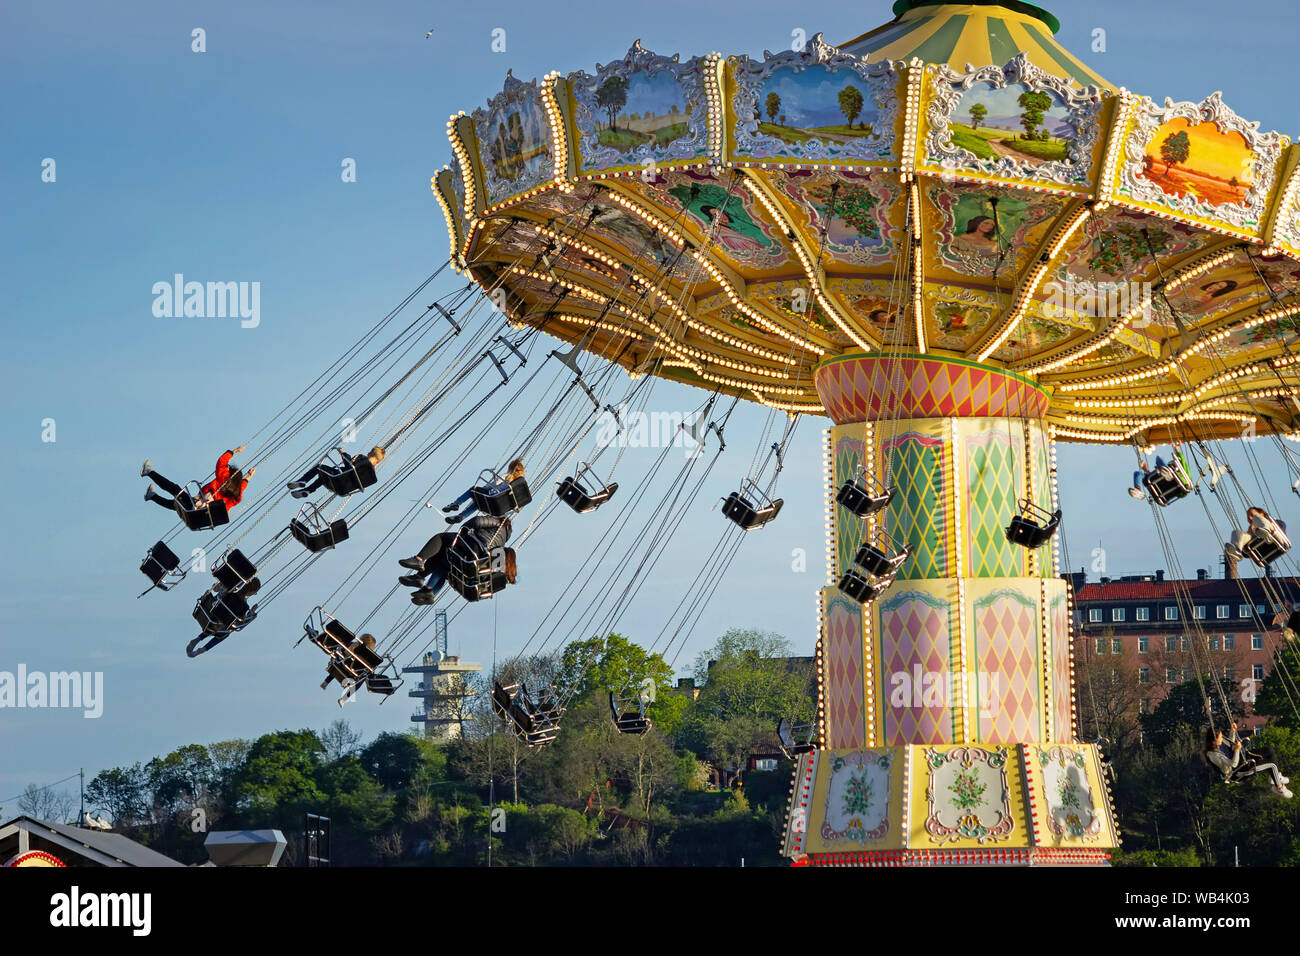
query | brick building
[1141, 622]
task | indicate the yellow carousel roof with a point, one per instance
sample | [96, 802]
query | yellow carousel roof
[976, 33]
[953, 184]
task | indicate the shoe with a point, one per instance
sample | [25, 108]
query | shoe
[149, 494]
[300, 493]
[1284, 792]
[450, 508]
[423, 596]
[411, 580]
[295, 485]
[1232, 551]
[145, 469]
[1285, 780]
[453, 519]
[415, 564]
[1137, 493]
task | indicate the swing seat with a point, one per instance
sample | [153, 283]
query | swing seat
[1267, 543]
[196, 518]
[221, 612]
[233, 570]
[314, 533]
[863, 500]
[744, 513]
[874, 561]
[574, 493]
[475, 572]
[863, 588]
[795, 738]
[492, 499]
[502, 698]
[629, 714]
[1034, 526]
[159, 564]
[348, 478]
[382, 684]
[1167, 484]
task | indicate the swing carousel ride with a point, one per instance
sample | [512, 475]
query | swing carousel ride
[958, 264]
[960, 244]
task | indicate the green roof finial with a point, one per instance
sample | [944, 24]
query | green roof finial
[1029, 9]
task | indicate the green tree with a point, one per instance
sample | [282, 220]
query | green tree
[1033, 106]
[612, 97]
[1277, 695]
[850, 102]
[278, 780]
[122, 792]
[1176, 148]
[393, 760]
[600, 665]
[978, 112]
[773, 106]
[1182, 714]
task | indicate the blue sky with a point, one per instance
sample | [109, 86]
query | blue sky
[226, 166]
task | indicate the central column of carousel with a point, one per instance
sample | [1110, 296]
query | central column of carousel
[946, 707]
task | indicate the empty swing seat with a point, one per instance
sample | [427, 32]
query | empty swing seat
[862, 499]
[382, 684]
[574, 493]
[355, 474]
[314, 533]
[875, 562]
[196, 518]
[629, 715]
[1268, 542]
[743, 512]
[1167, 484]
[220, 612]
[1025, 528]
[495, 497]
[158, 563]
[795, 738]
[863, 588]
[234, 570]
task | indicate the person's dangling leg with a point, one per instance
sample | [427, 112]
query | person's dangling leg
[455, 505]
[166, 485]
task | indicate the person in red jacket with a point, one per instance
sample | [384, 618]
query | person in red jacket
[228, 485]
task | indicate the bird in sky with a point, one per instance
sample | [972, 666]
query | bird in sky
[429, 34]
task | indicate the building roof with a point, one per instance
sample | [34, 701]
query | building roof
[1210, 589]
[92, 846]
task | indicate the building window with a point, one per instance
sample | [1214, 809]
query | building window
[1117, 614]
[1257, 671]
[1187, 645]
[1229, 642]
[1144, 705]
[1171, 643]
[1171, 612]
[1144, 644]
[1187, 674]
[1144, 675]
[1094, 615]
[1101, 645]
[1259, 609]
[1116, 646]
[1222, 610]
[1257, 642]
[1243, 610]
[1214, 642]
[1171, 675]
[1230, 674]
[1142, 614]
[765, 763]
[1198, 612]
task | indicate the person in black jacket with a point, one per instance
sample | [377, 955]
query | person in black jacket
[431, 566]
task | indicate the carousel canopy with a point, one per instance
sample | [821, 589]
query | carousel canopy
[952, 185]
